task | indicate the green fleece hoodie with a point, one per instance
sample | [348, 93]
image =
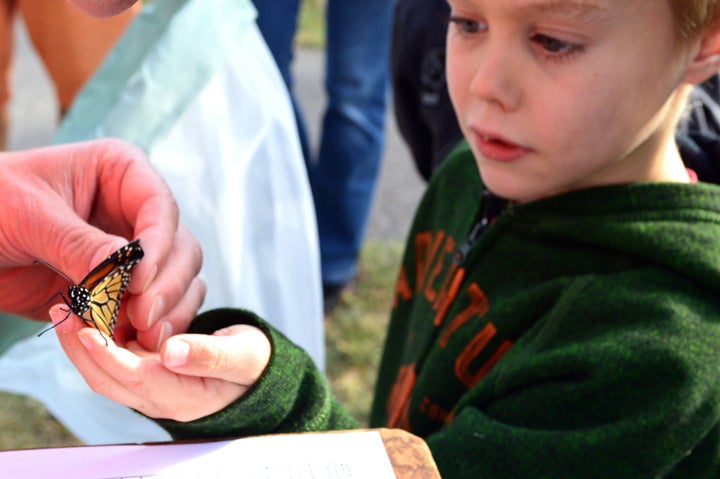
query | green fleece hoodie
[572, 337]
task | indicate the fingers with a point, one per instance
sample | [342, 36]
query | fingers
[138, 379]
[78, 350]
[73, 205]
[164, 284]
[175, 294]
[238, 354]
[49, 193]
[133, 193]
[175, 321]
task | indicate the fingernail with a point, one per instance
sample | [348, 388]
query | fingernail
[86, 341]
[176, 353]
[155, 310]
[166, 330]
[58, 316]
[151, 277]
[63, 321]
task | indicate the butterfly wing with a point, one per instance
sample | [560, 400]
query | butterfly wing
[123, 259]
[97, 298]
[105, 302]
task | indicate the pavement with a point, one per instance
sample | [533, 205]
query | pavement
[33, 121]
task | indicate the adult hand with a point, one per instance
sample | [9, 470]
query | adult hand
[192, 376]
[71, 206]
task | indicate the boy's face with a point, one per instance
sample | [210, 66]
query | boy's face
[556, 95]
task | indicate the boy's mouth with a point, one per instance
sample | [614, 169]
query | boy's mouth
[497, 148]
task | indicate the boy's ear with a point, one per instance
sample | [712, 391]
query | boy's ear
[707, 59]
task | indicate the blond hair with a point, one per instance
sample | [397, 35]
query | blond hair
[694, 15]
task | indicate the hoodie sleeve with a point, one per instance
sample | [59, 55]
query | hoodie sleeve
[292, 395]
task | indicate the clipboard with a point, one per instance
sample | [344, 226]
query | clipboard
[375, 453]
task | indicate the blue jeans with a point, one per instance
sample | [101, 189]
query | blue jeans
[344, 175]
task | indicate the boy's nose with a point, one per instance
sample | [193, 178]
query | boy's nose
[496, 78]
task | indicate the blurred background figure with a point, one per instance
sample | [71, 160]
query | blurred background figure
[423, 111]
[343, 174]
[70, 44]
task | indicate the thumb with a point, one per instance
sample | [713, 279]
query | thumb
[237, 354]
[79, 254]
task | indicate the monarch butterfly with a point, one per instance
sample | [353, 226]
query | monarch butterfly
[99, 293]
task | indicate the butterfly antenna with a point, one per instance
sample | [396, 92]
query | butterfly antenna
[42, 306]
[39, 261]
[65, 319]
[59, 293]
[54, 325]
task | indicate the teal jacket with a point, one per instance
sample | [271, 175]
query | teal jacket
[572, 337]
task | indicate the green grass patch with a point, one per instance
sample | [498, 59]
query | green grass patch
[311, 28]
[26, 423]
[355, 332]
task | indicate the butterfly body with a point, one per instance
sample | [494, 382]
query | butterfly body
[96, 299]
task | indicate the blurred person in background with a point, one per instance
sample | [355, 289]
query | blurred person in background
[343, 174]
[70, 44]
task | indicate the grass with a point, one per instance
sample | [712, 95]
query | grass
[356, 330]
[311, 31]
[26, 423]
[354, 336]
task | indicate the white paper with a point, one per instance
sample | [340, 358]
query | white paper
[347, 455]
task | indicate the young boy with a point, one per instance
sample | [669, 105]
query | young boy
[557, 312]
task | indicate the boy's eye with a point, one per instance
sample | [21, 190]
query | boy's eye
[553, 45]
[466, 25]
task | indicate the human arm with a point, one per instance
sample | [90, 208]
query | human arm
[70, 206]
[247, 378]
